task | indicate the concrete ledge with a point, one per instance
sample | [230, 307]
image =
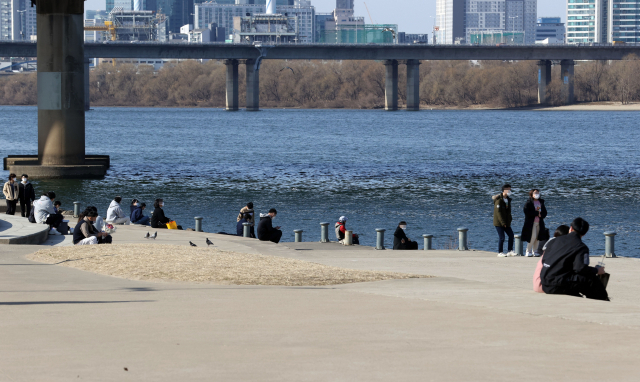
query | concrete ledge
[95, 167]
[18, 230]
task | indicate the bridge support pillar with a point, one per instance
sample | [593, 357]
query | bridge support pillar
[253, 86]
[566, 70]
[87, 85]
[413, 85]
[544, 77]
[391, 85]
[232, 84]
[61, 98]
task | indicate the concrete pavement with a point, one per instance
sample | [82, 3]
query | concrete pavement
[478, 320]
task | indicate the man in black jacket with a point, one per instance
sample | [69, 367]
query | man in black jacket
[27, 196]
[400, 239]
[266, 231]
[565, 267]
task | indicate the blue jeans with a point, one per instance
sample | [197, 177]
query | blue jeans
[501, 232]
[143, 221]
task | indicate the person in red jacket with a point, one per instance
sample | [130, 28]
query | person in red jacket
[341, 231]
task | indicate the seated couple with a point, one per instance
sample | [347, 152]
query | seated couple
[564, 266]
[85, 233]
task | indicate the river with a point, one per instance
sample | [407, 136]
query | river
[435, 169]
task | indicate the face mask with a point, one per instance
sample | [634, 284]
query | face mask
[508, 193]
[403, 226]
[24, 179]
[273, 217]
[161, 204]
[536, 196]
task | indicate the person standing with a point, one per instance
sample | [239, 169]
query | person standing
[400, 239]
[248, 210]
[534, 214]
[502, 220]
[27, 196]
[266, 230]
[11, 194]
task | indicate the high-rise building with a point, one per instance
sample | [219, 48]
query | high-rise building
[551, 30]
[450, 24]
[109, 4]
[624, 21]
[17, 20]
[500, 16]
[344, 4]
[587, 21]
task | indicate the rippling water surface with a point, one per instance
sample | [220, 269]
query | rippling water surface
[435, 169]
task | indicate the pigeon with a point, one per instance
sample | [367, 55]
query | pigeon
[148, 235]
[154, 236]
[209, 242]
[191, 244]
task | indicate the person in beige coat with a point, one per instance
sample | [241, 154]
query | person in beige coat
[11, 194]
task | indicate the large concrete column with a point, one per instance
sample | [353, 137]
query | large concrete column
[61, 82]
[87, 85]
[413, 85]
[232, 84]
[391, 85]
[253, 86]
[544, 77]
[566, 70]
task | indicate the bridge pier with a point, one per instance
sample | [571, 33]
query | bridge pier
[253, 86]
[87, 85]
[232, 85]
[544, 77]
[566, 70]
[413, 85]
[391, 85]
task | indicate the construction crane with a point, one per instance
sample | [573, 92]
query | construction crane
[108, 27]
[365, 5]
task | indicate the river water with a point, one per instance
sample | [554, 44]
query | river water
[435, 169]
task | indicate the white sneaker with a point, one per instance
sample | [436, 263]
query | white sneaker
[511, 253]
[528, 254]
[501, 255]
[536, 254]
[54, 231]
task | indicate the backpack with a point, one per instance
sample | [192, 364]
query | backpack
[32, 215]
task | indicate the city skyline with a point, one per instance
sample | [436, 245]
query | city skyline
[419, 20]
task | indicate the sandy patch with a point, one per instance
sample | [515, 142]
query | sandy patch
[203, 265]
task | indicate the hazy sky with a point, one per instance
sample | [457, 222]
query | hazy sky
[412, 16]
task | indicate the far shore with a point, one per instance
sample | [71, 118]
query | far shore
[582, 106]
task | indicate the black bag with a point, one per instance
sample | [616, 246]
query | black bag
[32, 216]
[544, 235]
[63, 228]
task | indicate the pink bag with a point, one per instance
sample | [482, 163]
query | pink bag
[537, 282]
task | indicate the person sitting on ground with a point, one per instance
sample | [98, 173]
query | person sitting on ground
[27, 196]
[248, 209]
[135, 203]
[400, 239]
[137, 216]
[45, 213]
[115, 215]
[537, 284]
[565, 268]
[246, 218]
[11, 193]
[266, 231]
[158, 219]
[56, 206]
[85, 233]
[341, 231]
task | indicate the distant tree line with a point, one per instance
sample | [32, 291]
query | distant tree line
[342, 84]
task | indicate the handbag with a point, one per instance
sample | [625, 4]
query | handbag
[172, 225]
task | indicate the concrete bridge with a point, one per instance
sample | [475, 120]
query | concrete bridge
[392, 55]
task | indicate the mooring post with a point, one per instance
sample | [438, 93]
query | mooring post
[519, 245]
[380, 238]
[298, 235]
[76, 209]
[324, 232]
[428, 242]
[198, 223]
[246, 229]
[463, 239]
[348, 238]
[609, 244]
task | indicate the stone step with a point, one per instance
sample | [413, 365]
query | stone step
[14, 229]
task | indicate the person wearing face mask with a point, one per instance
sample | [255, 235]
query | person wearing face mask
[502, 220]
[400, 239]
[27, 196]
[534, 214]
[11, 194]
[266, 230]
[135, 203]
[158, 220]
